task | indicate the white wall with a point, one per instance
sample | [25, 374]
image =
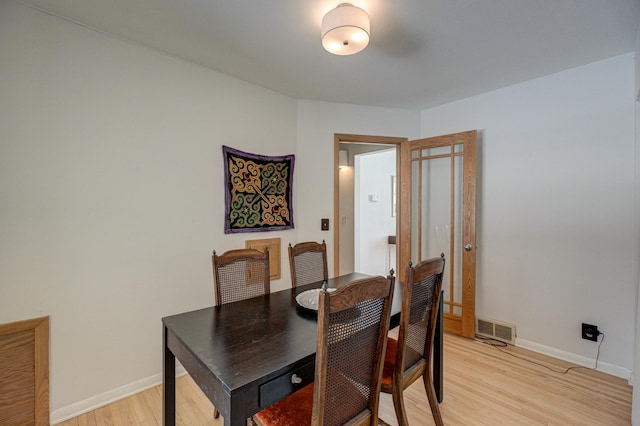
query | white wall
[111, 188]
[373, 220]
[346, 216]
[635, 407]
[317, 123]
[555, 210]
[635, 412]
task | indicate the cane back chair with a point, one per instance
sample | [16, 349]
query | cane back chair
[238, 275]
[308, 263]
[353, 323]
[409, 357]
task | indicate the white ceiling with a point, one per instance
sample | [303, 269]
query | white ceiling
[422, 52]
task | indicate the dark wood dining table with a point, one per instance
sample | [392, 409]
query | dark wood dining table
[246, 355]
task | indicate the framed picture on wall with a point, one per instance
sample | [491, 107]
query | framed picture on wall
[258, 191]
[273, 244]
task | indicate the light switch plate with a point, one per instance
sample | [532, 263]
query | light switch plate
[324, 224]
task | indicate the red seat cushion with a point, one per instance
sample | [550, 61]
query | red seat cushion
[297, 408]
[389, 361]
[294, 410]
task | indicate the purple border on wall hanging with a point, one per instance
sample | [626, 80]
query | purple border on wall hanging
[258, 192]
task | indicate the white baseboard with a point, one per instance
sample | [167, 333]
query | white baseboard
[604, 367]
[97, 401]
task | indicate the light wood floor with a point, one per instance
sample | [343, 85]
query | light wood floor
[483, 386]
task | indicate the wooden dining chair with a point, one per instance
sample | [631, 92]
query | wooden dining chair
[409, 356]
[353, 323]
[238, 275]
[308, 263]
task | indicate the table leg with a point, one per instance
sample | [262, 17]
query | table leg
[437, 353]
[168, 383]
[237, 416]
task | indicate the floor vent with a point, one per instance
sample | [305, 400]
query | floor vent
[498, 330]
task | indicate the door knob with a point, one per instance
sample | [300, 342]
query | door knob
[468, 247]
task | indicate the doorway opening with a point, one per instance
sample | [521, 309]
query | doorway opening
[358, 196]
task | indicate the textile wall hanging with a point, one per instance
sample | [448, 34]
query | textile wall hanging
[258, 191]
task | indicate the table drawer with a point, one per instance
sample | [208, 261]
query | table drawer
[278, 388]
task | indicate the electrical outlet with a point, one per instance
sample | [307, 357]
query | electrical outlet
[590, 332]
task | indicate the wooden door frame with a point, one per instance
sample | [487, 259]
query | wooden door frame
[339, 138]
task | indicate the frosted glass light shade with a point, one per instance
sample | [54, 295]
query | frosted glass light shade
[345, 30]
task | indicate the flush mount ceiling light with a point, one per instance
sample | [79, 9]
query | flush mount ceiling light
[345, 30]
